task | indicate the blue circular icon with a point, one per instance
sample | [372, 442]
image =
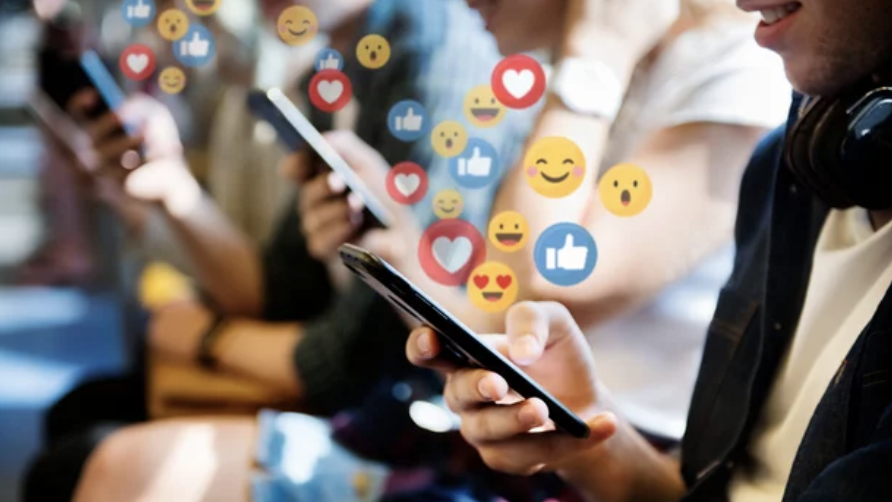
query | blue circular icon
[565, 254]
[138, 13]
[408, 121]
[477, 166]
[329, 59]
[196, 48]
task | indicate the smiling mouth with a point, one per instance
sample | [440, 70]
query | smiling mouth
[509, 239]
[625, 198]
[298, 33]
[555, 180]
[172, 82]
[448, 211]
[485, 114]
[493, 297]
[203, 4]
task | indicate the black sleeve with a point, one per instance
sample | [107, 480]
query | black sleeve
[296, 286]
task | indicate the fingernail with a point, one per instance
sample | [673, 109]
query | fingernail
[485, 389]
[425, 350]
[603, 420]
[354, 201]
[335, 183]
[527, 416]
[526, 350]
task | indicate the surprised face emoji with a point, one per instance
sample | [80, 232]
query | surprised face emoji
[173, 24]
[625, 190]
[373, 51]
[449, 139]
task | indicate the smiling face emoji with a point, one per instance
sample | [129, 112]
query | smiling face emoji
[482, 108]
[555, 167]
[297, 25]
[172, 80]
[373, 51]
[625, 190]
[449, 139]
[448, 204]
[492, 287]
[173, 24]
[203, 7]
[508, 231]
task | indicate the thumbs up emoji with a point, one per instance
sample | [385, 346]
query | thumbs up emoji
[410, 122]
[569, 257]
[477, 165]
[195, 47]
[139, 11]
[330, 63]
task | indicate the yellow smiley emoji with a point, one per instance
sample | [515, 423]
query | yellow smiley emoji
[625, 190]
[448, 204]
[508, 231]
[172, 80]
[373, 51]
[555, 167]
[297, 25]
[492, 287]
[203, 7]
[173, 24]
[482, 108]
[449, 139]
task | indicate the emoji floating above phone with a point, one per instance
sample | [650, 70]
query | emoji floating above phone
[482, 108]
[509, 231]
[203, 7]
[555, 167]
[173, 24]
[492, 287]
[449, 139]
[625, 190]
[373, 51]
[172, 80]
[448, 204]
[297, 25]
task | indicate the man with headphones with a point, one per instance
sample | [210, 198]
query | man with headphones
[793, 402]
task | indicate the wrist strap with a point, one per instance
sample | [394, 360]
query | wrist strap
[205, 349]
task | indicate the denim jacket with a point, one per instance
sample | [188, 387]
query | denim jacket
[846, 454]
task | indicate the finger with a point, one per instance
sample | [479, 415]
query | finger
[111, 151]
[313, 193]
[533, 326]
[470, 389]
[326, 213]
[81, 103]
[498, 423]
[104, 126]
[324, 244]
[297, 167]
[424, 349]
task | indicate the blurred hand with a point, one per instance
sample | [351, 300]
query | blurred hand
[543, 339]
[176, 329]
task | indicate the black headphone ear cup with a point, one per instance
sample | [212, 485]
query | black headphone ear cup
[866, 151]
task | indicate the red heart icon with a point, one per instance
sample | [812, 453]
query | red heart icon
[481, 281]
[504, 281]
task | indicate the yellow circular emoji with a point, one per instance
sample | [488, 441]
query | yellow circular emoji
[173, 24]
[482, 108]
[492, 287]
[373, 51]
[297, 25]
[555, 167]
[449, 139]
[172, 80]
[448, 204]
[203, 7]
[625, 190]
[509, 231]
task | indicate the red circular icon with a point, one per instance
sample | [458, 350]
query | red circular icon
[330, 90]
[137, 62]
[450, 250]
[518, 81]
[407, 183]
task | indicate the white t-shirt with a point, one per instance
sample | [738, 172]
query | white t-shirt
[649, 358]
[851, 272]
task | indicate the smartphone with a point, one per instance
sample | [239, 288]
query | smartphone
[62, 127]
[456, 338]
[296, 132]
[111, 95]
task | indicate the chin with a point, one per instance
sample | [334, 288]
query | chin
[815, 79]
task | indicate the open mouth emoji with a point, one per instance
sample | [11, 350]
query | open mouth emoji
[626, 190]
[449, 139]
[482, 109]
[508, 231]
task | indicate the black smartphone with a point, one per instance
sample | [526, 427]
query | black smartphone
[296, 132]
[456, 338]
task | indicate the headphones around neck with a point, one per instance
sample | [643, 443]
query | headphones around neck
[841, 147]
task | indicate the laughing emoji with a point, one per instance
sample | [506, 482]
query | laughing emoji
[297, 25]
[449, 139]
[482, 108]
[555, 167]
[373, 51]
[492, 287]
[448, 204]
[625, 190]
[508, 231]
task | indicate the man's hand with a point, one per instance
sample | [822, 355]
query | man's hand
[544, 340]
[176, 329]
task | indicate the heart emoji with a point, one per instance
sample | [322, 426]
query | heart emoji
[137, 62]
[330, 90]
[407, 183]
[481, 281]
[451, 254]
[518, 84]
[504, 281]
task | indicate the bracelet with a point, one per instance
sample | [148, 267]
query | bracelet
[205, 348]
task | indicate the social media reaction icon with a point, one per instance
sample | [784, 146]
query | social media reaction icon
[137, 62]
[373, 51]
[196, 48]
[329, 59]
[449, 139]
[138, 13]
[407, 183]
[449, 250]
[555, 167]
[173, 24]
[625, 190]
[408, 121]
[565, 254]
[509, 231]
[203, 7]
[172, 80]
[518, 81]
[482, 108]
[476, 167]
[492, 287]
[448, 204]
[330, 90]
[297, 25]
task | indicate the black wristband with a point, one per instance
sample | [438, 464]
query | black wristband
[205, 348]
